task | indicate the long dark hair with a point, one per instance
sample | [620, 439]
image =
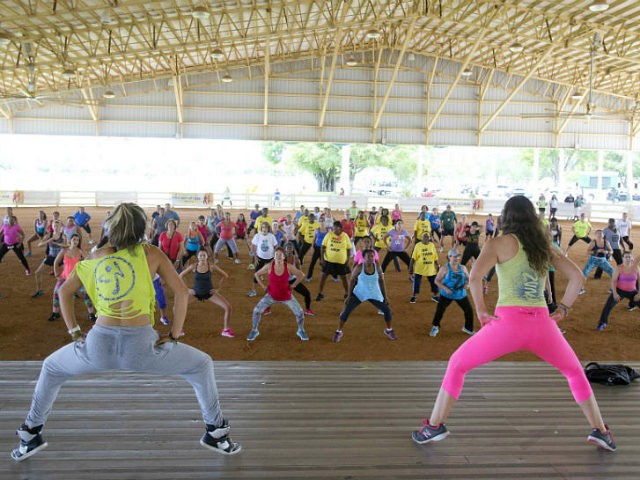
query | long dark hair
[519, 217]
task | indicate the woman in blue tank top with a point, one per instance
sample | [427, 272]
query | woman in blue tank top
[452, 280]
[366, 284]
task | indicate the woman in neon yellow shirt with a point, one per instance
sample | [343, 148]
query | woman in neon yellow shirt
[118, 280]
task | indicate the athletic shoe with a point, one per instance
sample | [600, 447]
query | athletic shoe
[601, 326]
[336, 279]
[337, 336]
[308, 311]
[251, 267]
[434, 331]
[227, 332]
[582, 290]
[38, 293]
[631, 308]
[28, 254]
[267, 311]
[92, 317]
[412, 300]
[308, 279]
[27, 272]
[217, 439]
[237, 261]
[468, 332]
[435, 298]
[319, 297]
[390, 334]
[164, 320]
[302, 334]
[91, 242]
[380, 312]
[429, 433]
[53, 316]
[603, 440]
[441, 250]
[252, 293]
[253, 334]
[31, 442]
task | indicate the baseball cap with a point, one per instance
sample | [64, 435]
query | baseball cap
[453, 253]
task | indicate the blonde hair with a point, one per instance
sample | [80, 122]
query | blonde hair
[127, 225]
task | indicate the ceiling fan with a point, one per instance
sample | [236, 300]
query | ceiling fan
[589, 111]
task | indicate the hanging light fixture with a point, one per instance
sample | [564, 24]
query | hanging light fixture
[200, 13]
[227, 78]
[373, 34]
[467, 72]
[68, 73]
[108, 94]
[599, 6]
[351, 61]
[576, 95]
[516, 47]
[4, 40]
[217, 54]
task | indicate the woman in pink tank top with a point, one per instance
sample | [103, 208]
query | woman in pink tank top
[278, 291]
[624, 284]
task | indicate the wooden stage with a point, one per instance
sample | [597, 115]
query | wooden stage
[319, 420]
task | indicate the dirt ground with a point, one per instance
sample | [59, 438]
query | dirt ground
[25, 333]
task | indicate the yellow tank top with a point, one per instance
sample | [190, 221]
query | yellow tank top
[119, 284]
[518, 283]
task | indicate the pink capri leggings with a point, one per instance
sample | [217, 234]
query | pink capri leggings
[517, 328]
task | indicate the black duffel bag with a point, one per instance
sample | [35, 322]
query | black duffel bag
[607, 374]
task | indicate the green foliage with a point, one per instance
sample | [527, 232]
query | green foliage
[322, 160]
[273, 152]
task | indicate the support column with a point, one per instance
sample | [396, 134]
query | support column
[536, 165]
[344, 170]
[600, 168]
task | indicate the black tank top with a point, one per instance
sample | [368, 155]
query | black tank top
[202, 282]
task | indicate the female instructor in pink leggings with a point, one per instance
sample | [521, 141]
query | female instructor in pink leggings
[521, 320]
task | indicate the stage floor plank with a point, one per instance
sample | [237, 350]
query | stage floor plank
[321, 420]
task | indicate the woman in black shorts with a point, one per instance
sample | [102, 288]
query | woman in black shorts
[54, 242]
[203, 287]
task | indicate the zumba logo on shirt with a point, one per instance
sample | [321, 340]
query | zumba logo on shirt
[529, 286]
[114, 277]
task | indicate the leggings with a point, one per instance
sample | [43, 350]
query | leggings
[444, 302]
[604, 316]
[355, 301]
[304, 248]
[593, 262]
[268, 300]
[56, 297]
[391, 255]
[317, 250]
[17, 248]
[517, 328]
[417, 281]
[304, 291]
[628, 241]
[125, 348]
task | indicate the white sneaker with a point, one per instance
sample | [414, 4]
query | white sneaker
[237, 261]
[252, 293]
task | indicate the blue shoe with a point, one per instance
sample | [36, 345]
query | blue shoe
[434, 331]
[253, 334]
[303, 335]
[601, 326]
[337, 336]
[429, 433]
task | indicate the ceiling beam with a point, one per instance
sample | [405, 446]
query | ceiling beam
[90, 102]
[403, 49]
[267, 74]
[524, 80]
[334, 59]
[431, 76]
[177, 91]
[565, 121]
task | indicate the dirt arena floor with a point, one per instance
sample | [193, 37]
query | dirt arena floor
[25, 333]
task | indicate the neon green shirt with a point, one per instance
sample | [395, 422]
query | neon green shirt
[119, 284]
[581, 228]
[518, 283]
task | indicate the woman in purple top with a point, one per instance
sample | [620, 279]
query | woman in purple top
[12, 238]
[398, 240]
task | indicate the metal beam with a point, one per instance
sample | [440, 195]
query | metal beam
[464, 65]
[565, 122]
[403, 49]
[5, 114]
[88, 97]
[177, 91]
[432, 74]
[267, 74]
[334, 59]
[524, 80]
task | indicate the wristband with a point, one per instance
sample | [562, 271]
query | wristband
[74, 330]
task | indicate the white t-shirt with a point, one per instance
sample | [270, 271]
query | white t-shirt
[265, 245]
[623, 227]
[289, 231]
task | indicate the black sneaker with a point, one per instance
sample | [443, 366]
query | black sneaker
[319, 297]
[38, 293]
[92, 317]
[217, 439]
[631, 308]
[412, 300]
[429, 433]
[603, 440]
[31, 442]
[54, 316]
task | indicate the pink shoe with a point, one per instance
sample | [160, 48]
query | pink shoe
[227, 332]
[308, 311]
[27, 272]
[267, 311]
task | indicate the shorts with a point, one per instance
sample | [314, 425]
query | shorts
[204, 296]
[335, 268]
[49, 260]
[447, 232]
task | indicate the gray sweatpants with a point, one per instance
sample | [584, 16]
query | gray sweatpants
[125, 348]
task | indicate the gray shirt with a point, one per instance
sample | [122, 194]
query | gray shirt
[613, 237]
